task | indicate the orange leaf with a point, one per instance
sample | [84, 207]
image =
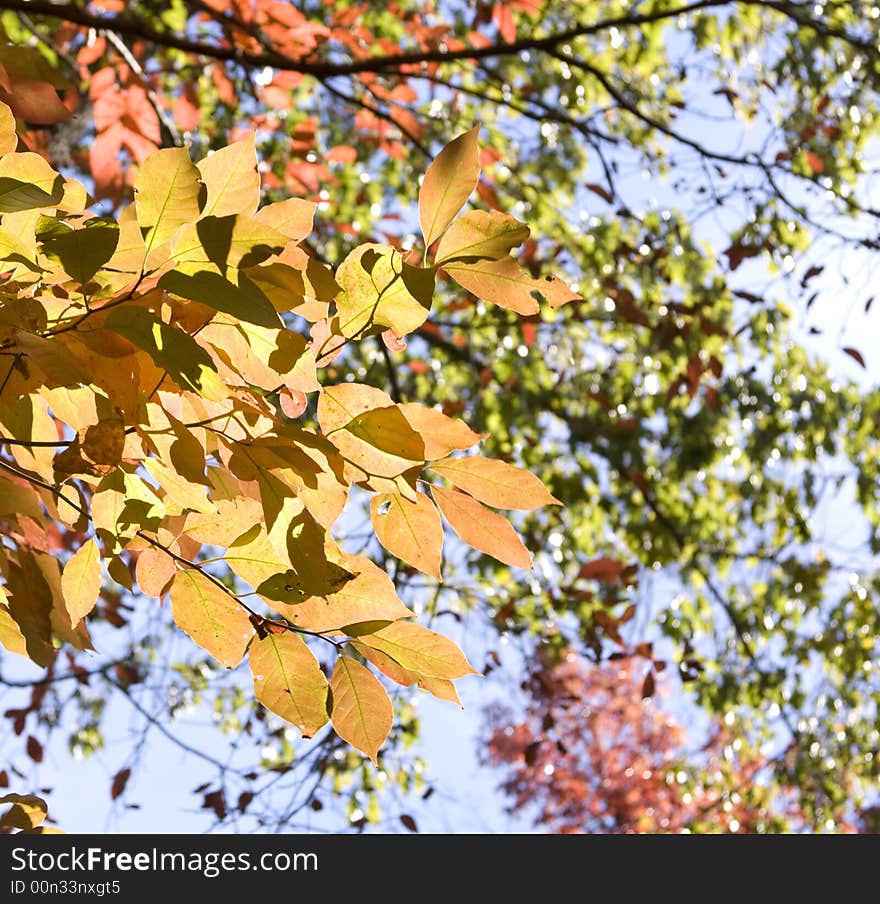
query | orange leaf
[482, 528]
[412, 531]
[495, 482]
[362, 712]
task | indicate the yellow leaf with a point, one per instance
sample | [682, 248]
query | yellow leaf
[480, 234]
[231, 179]
[28, 182]
[441, 435]
[27, 811]
[361, 713]
[154, 571]
[441, 688]
[10, 634]
[380, 289]
[254, 559]
[211, 617]
[420, 650]
[187, 496]
[172, 349]
[166, 195]
[81, 581]
[29, 420]
[412, 531]
[369, 596]
[505, 283]
[482, 528]
[495, 482]
[293, 217]
[448, 184]
[288, 680]
[369, 431]
[8, 138]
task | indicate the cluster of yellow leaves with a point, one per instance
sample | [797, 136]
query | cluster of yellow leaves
[27, 813]
[153, 371]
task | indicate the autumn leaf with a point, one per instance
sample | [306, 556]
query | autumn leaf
[210, 616]
[361, 712]
[81, 581]
[479, 234]
[154, 571]
[231, 180]
[447, 185]
[27, 811]
[482, 528]
[420, 650]
[505, 283]
[495, 482]
[410, 530]
[288, 680]
[166, 195]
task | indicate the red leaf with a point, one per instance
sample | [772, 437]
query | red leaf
[815, 162]
[502, 15]
[603, 193]
[409, 822]
[34, 749]
[648, 686]
[120, 780]
[393, 342]
[855, 355]
[604, 569]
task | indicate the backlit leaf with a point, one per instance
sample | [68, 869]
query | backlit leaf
[211, 617]
[505, 283]
[379, 289]
[441, 435]
[361, 712]
[420, 650]
[81, 581]
[495, 482]
[28, 182]
[166, 195]
[482, 528]
[288, 680]
[154, 571]
[412, 531]
[448, 183]
[480, 234]
[231, 179]
[188, 364]
[83, 251]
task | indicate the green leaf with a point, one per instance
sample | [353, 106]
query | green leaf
[288, 680]
[448, 184]
[361, 712]
[187, 363]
